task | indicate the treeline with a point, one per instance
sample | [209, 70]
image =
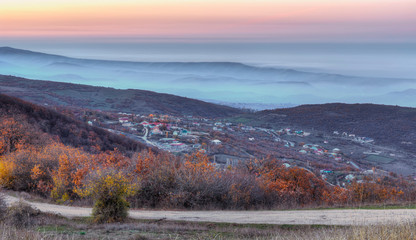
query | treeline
[192, 182]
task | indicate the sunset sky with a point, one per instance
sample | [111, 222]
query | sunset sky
[242, 20]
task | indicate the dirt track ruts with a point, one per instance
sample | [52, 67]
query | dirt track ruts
[324, 217]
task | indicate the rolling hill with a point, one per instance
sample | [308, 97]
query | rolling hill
[388, 125]
[109, 99]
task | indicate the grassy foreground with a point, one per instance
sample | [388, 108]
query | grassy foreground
[57, 228]
[21, 221]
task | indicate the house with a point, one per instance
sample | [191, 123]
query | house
[216, 141]
[349, 177]
[336, 150]
[289, 144]
[184, 132]
[368, 172]
[157, 131]
[219, 124]
[123, 119]
[216, 129]
[372, 152]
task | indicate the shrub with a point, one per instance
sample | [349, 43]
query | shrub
[157, 179]
[21, 215]
[110, 209]
[109, 191]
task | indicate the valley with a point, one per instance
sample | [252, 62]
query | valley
[347, 144]
[60, 139]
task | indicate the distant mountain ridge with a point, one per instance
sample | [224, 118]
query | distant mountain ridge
[109, 99]
[14, 51]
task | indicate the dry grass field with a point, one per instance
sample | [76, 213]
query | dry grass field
[178, 230]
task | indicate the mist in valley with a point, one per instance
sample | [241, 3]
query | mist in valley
[258, 85]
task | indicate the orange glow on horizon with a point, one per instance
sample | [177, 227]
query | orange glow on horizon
[199, 18]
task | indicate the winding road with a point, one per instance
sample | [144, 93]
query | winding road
[322, 217]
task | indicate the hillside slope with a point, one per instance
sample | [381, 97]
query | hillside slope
[109, 99]
[37, 120]
[388, 125]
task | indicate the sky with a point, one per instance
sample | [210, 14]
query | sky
[211, 20]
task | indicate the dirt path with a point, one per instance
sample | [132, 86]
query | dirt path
[325, 217]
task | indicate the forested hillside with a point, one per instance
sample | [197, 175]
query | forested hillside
[25, 122]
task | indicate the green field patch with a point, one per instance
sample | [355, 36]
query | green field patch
[379, 159]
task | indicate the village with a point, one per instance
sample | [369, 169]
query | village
[231, 144]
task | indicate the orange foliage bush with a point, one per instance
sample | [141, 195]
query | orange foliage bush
[290, 186]
[374, 192]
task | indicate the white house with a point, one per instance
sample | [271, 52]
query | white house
[216, 141]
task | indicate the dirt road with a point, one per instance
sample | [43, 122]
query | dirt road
[325, 217]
